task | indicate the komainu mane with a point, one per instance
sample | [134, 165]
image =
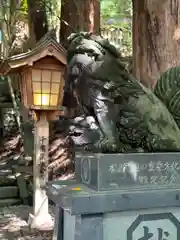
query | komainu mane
[129, 117]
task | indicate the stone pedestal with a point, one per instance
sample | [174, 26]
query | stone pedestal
[118, 196]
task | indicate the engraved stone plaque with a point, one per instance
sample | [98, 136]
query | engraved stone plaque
[122, 171]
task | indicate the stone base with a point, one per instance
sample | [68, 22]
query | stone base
[127, 215]
[41, 222]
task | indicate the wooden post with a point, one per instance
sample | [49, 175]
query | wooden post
[40, 218]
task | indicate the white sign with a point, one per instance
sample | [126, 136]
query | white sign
[160, 226]
[155, 224]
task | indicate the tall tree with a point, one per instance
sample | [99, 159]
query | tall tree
[79, 15]
[156, 35]
[38, 25]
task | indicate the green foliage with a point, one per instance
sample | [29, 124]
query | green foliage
[24, 6]
[53, 8]
[120, 13]
[116, 9]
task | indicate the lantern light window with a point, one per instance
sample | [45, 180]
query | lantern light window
[46, 87]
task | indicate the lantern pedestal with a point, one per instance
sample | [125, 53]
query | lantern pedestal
[40, 218]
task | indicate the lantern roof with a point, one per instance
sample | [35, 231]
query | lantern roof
[47, 46]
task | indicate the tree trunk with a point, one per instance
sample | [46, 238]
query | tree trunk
[38, 25]
[156, 34]
[80, 15]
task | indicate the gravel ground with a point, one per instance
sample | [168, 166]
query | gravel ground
[13, 224]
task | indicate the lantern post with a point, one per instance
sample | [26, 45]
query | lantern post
[41, 87]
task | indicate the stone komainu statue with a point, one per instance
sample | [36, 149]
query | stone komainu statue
[129, 116]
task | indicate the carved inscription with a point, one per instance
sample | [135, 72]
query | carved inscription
[42, 158]
[152, 173]
[123, 171]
